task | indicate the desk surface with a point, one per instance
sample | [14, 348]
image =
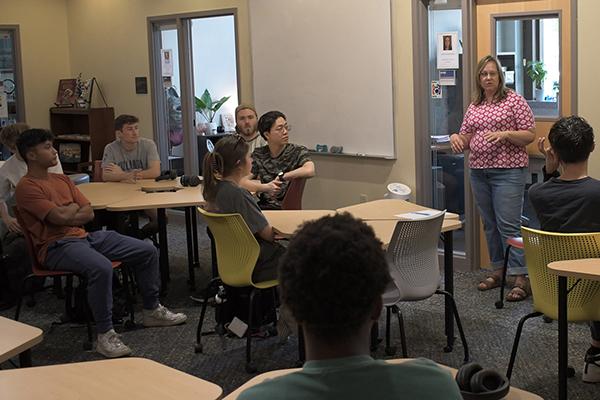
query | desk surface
[386, 209]
[586, 268]
[119, 196]
[287, 221]
[123, 378]
[16, 337]
[514, 394]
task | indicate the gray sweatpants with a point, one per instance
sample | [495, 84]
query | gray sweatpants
[91, 257]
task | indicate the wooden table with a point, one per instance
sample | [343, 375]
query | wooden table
[17, 338]
[287, 222]
[120, 196]
[117, 379]
[587, 268]
[386, 209]
[513, 394]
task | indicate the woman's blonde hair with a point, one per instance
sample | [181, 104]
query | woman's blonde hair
[10, 133]
[479, 95]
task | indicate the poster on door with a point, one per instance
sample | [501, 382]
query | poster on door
[447, 50]
[166, 57]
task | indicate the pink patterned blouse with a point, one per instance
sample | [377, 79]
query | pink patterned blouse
[510, 114]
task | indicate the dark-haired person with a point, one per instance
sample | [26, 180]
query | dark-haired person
[332, 278]
[54, 211]
[568, 201]
[277, 156]
[131, 157]
[497, 127]
[246, 125]
[224, 169]
[11, 237]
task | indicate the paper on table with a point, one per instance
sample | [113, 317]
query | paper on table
[418, 214]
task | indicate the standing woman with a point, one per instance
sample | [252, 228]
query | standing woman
[496, 128]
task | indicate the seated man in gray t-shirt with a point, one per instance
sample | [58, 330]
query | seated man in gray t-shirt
[131, 157]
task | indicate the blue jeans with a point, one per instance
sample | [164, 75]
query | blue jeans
[498, 193]
[90, 257]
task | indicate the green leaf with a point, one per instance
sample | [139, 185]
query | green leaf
[206, 99]
[219, 103]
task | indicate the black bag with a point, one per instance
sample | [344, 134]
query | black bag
[233, 302]
[15, 265]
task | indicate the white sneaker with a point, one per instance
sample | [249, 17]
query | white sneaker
[591, 368]
[109, 344]
[161, 316]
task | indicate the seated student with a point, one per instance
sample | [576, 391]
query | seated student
[54, 210]
[246, 125]
[223, 170]
[131, 157]
[278, 156]
[11, 237]
[569, 201]
[332, 279]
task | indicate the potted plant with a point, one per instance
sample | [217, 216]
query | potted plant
[537, 73]
[207, 107]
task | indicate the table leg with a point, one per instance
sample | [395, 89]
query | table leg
[562, 338]
[449, 287]
[25, 358]
[195, 236]
[190, 248]
[164, 249]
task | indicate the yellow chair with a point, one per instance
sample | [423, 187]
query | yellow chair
[237, 251]
[542, 248]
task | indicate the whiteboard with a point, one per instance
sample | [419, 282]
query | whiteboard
[327, 65]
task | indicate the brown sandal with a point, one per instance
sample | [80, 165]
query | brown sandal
[489, 283]
[519, 292]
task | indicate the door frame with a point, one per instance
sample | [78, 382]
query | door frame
[183, 24]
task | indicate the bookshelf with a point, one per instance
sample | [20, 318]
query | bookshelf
[81, 134]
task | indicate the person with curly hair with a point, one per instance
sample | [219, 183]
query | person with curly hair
[332, 278]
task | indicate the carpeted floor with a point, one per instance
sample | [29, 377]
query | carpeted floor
[490, 333]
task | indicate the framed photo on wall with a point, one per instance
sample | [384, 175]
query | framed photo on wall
[66, 96]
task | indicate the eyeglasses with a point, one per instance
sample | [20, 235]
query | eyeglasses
[492, 74]
[281, 128]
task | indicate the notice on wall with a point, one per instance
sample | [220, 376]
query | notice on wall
[3, 102]
[448, 77]
[166, 58]
[436, 90]
[447, 50]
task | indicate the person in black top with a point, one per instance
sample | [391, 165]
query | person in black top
[568, 201]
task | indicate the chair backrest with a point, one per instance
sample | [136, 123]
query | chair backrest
[542, 248]
[412, 257]
[293, 196]
[237, 248]
[97, 171]
[36, 267]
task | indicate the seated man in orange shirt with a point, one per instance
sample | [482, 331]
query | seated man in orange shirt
[54, 211]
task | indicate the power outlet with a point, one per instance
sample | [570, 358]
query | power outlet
[363, 198]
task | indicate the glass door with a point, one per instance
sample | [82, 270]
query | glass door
[11, 102]
[194, 67]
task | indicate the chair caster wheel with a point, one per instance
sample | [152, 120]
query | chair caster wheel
[570, 372]
[547, 320]
[87, 346]
[499, 304]
[448, 349]
[198, 348]
[129, 325]
[390, 351]
[250, 368]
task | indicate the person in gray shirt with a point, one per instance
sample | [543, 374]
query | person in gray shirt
[129, 158]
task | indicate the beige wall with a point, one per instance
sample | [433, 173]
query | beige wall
[588, 61]
[44, 52]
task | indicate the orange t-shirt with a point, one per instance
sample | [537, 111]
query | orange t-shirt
[36, 198]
